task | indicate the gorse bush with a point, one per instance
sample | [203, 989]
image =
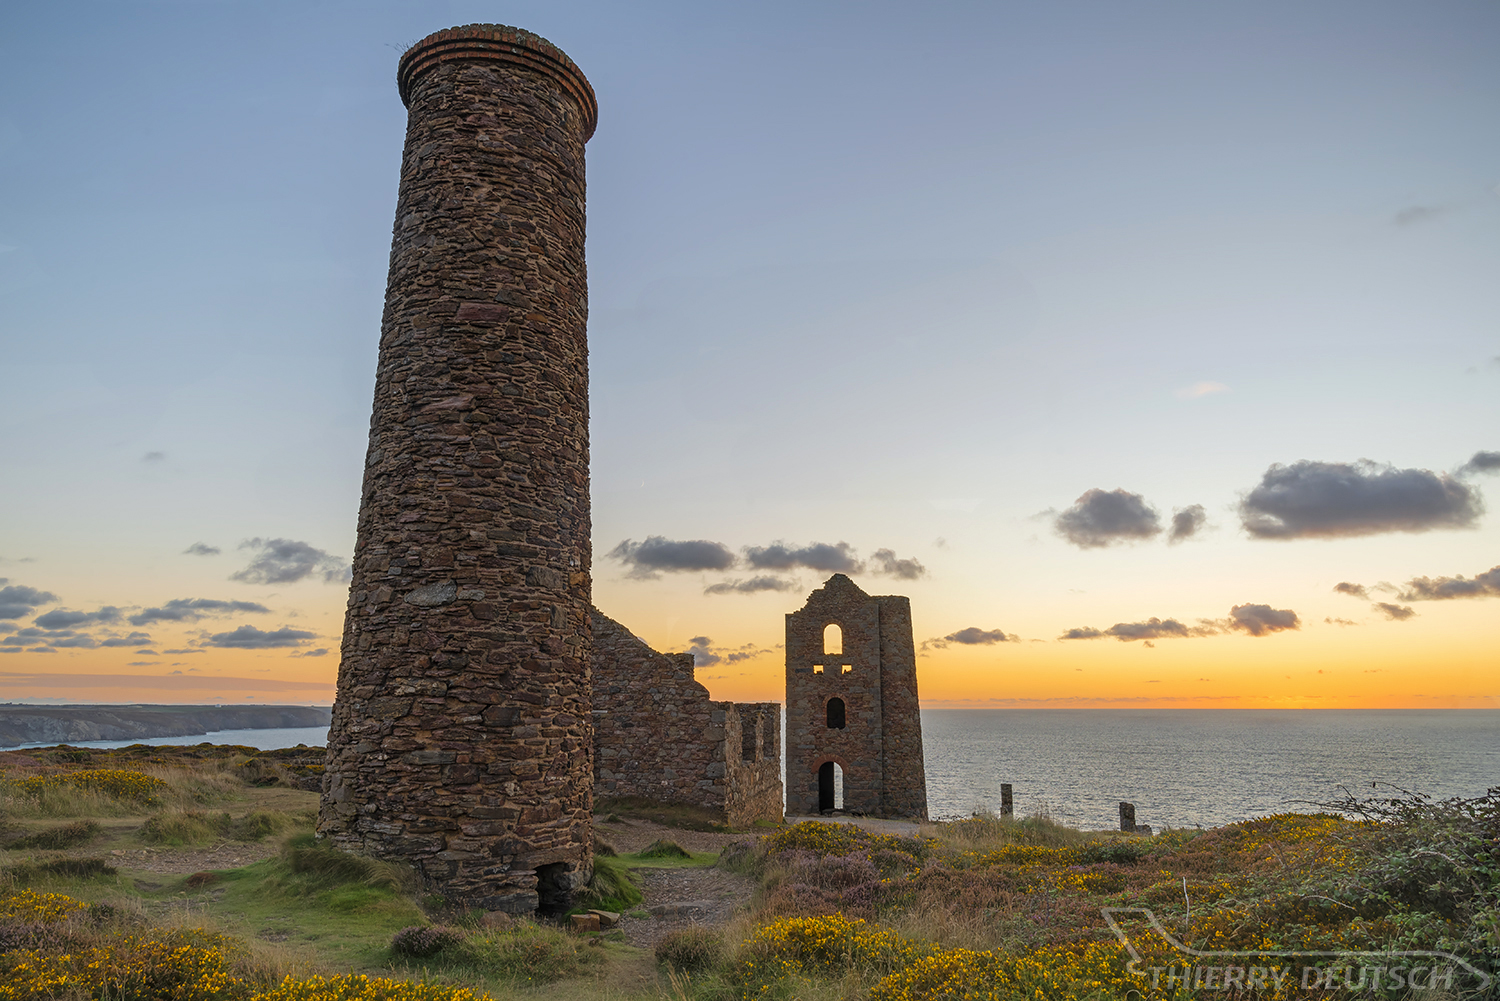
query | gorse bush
[113, 782]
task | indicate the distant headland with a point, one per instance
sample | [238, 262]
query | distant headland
[30, 724]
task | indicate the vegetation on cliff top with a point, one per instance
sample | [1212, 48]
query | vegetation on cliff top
[980, 908]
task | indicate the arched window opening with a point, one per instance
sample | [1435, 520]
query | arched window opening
[830, 787]
[833, 638]
[835, 714]
[747, 737]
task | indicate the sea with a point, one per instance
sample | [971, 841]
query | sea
[1199, 767]
[1179, 767]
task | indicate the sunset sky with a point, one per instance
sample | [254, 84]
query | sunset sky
[1152, 349]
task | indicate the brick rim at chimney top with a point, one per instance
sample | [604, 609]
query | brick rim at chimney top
[503, 43]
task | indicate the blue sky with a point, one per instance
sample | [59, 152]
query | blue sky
[907, 277]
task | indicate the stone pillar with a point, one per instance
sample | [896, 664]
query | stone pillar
[1127, 816]
[1007, 801]
[461, 738]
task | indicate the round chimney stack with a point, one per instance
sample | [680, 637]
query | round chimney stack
[461, 738]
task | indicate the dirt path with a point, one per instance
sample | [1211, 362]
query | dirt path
[185, 861]
[678, 898]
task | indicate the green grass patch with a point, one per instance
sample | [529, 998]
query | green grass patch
[687, 860]
[611, 888]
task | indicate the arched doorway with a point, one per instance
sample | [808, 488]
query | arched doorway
[835, 713]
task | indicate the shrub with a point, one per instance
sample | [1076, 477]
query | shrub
[694, 950]
[57, 838]
[30, 906]
[525, 953]
[602, 847]
[357, 987]
[418, 942]
[830, 944]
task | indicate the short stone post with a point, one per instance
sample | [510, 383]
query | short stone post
[1127, 816]
[1007, 803]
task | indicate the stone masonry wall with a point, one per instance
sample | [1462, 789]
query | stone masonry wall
[879, 746]
[461, 738]
[658, 735]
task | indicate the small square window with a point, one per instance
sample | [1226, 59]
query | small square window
[847, 668]
[817, 669]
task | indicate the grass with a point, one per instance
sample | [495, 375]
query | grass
[80, 832]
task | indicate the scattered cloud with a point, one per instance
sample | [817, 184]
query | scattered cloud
[1414, 215]
[1309, 500]
[886, 564]
[1101, 518]
[1187, 522]
[62, 618]
[1484, 585]
[286, 561]
[706, 654]
[319, 652]
[1396, 613]
[972, 636]
[1481, 462]
[1198, 390]
[1341, 622]
[153, 456]
[202, 549]
[820, 556]
[134, 639]
[1151, 629]
[1257, 620]
[251, 638]
[17, 600]
[701, 649]
[647, 560]
[1352, 590]
[79, 642]
[193, 609]
[754, 585]
[1262, 620]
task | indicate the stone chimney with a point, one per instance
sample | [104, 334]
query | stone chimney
[461, 738]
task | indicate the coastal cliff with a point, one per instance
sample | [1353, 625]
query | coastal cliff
[24, 724]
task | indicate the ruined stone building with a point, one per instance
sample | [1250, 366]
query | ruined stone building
[657, 734]
[460, 739]
[851, 705]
